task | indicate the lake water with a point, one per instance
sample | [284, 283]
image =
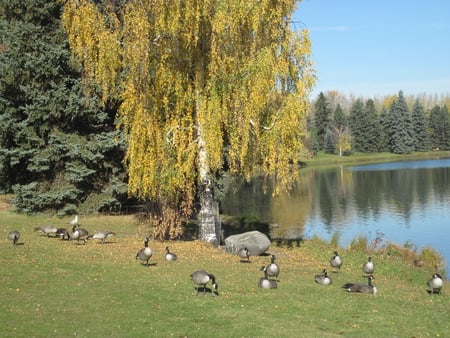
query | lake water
[403, 202]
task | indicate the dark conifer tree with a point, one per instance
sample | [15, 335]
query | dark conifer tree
[322, 118]
[419, 127]
[358, 125]
[401, 140]
[439, 126]
[58, 147]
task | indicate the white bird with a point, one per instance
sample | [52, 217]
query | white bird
[273, 270]
[14, 236]
[102, 235]
[74, 221]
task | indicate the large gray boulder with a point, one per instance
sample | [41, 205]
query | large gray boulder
[256, 243]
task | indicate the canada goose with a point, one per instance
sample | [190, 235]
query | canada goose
[146, 253]
[14, 236]
[368, 267]
[46, 229]
[74, 221]
[79, 233]
[265, 282]
[336, 261]
[201, 278]
[62, 233]
[244, 254]
[169, 255]
[103, 235]
[435, 283]
[323, 279]
[273, 270]
[361, 287]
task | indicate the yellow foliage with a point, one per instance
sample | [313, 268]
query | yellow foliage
[233, 70]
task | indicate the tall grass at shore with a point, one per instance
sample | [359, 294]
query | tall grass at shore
[54, 288]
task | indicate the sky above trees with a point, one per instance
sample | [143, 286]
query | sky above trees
[376, 48]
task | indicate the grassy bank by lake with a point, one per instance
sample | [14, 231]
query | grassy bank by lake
[59, 288]
[362, 158]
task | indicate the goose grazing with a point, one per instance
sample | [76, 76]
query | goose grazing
[145, 253]
[323, 279]
[361, 287]
[273, 270]
[201, 278]
[79, 233]
[169, 256]
[74, 220]
[244, 254]
[435, 284]
[46, 229]
[368, 267]
[62, 233]
[14, 236]
[102, 235]
[265, 282]
[336, 261]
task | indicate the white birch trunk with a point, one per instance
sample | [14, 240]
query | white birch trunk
[209, 225]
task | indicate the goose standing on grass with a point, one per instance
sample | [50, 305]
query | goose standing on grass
[170, 256]
[46, 229]
[244, 254]
[368, 267]
[273, 270]
[336, 261]
[265, 282]
[201, 278]
[323, 279]
[361, 287]
[435, 284]
[79, 233]
[62, 233]
[146, 253]
[14, 236]
[102, 235]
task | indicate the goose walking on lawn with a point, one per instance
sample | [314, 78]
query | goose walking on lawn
[245, 255]
[435, 283]
[368, 267]
[201, 278]
[102, 235]
[273, 270]
[46, 229]
[14, 236]
[361, 287]
[62, 233]
[79, 233]
[336, 261]
[146, 253]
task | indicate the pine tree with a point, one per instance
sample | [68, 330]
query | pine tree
[321, 118]
[58, 147]
[358, 125]
[419, 127]
[400, 127]
[439, 126]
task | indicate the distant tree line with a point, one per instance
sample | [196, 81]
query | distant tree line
[395, 127]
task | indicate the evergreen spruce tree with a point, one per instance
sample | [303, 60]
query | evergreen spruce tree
[439, 127]
[58, 147]
[383, 122]
[419, 127]
[372, 127]
[358, 125]
[329, 145]
[322, 118]
[400, 132]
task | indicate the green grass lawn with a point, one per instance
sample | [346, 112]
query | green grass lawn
[54, 288]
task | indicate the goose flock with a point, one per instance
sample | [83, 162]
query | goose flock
[201, 278]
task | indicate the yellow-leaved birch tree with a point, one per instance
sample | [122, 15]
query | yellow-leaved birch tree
[198, 81]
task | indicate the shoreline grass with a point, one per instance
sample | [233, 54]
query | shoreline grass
[53, 288]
